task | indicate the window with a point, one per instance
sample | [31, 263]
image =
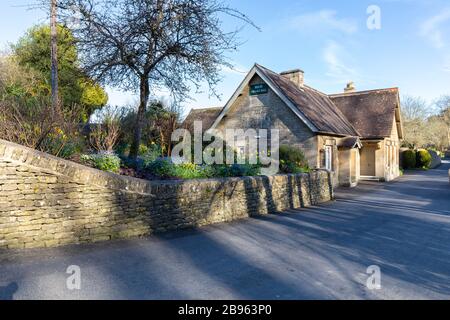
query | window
[240, 148]
[328, 158]
[241, 151]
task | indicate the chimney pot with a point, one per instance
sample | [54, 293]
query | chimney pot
[350, 87]
[297, 76]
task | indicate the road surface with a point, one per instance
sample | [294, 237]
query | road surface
[322, 252]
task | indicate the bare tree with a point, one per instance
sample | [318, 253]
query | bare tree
[415, 111]
[443, 105]
[425, 126]
[437, 133]
[54, 58]
[164, 119]
[149, 44]
[105, 134]
[414, 108]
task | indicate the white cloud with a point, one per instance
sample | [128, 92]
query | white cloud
[118, 97]
[324, 20]
[447, 64]
[334, 56]
[432, 29]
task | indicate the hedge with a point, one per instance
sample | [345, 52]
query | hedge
[409, 159]
[423, 159]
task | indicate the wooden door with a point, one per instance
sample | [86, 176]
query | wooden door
[368, 161]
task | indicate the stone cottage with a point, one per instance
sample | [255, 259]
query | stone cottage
[354, 134]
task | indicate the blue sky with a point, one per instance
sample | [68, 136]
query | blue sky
[329, 40]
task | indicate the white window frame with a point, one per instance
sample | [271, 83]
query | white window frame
[241, 150]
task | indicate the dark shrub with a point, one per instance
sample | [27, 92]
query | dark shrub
[69, 149]
[129, 163]
[122, 149]
[163, 168]
[292, 168]
[409, 159]
[235, 170]
[221, 170]
[152, 153]
[293, 155]
[423, 159]
[243, 170]
[292, 160]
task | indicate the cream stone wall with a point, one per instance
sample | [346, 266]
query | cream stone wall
[387, 155]
[349, 170]
[268, 111]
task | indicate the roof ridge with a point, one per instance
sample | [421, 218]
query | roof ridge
[265, 69]
[206, 108]
[362, 92]
[370, 111]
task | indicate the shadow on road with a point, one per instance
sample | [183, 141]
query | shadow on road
[320, 252]
[7, 292]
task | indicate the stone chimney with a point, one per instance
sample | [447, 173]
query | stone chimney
[350, 87]
[296, 76]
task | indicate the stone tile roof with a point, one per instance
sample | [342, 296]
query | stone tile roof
[206, 115]
[317, 107]
[370, 112]
[350, 142]
[365, 114]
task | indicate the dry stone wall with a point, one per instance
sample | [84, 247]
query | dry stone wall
[47, 201]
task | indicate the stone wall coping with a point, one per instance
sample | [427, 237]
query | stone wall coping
[78, 172]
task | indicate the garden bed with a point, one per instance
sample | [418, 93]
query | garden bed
[151, 165]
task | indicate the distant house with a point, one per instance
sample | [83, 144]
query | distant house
[206, 115]
[353, 134]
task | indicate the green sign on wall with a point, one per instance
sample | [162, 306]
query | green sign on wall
[260, 88]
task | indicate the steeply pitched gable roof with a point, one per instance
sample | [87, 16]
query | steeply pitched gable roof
[371, 112]
[314, 105]
[367, 114]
